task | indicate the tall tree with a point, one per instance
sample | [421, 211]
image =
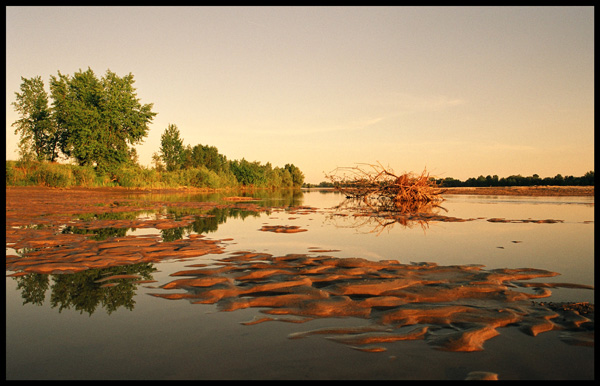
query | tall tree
[37, 132]
[171, 148]
[296, 173]
[99, 118]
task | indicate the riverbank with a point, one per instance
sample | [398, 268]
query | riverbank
[512, 190]
[523, 190]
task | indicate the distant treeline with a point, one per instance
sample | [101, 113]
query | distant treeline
[518, 180]
[515, 180]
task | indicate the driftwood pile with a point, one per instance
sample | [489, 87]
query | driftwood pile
[380, 189]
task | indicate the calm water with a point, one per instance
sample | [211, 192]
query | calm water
[144, 337]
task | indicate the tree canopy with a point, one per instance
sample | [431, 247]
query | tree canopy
[171, 148]
[92, 121]
[37, 134]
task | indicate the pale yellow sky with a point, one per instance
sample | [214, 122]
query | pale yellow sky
[461, 91]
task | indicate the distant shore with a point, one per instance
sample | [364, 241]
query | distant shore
[523, 190]
[512, 190]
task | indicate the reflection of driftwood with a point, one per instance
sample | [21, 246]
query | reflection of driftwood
[377, 223]
[407, 214]
[381, 189]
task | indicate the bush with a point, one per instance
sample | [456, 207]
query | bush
[28, 172]
[169, 179]
[127, 177]
[83, 175]
[53, 175]
[16, 174]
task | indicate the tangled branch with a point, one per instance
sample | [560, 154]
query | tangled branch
[380, 189]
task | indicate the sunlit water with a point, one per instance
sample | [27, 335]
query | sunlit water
[155, 338]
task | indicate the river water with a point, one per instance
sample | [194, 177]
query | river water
[52, 333]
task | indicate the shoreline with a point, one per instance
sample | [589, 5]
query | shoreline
[551, 190]
[523, 190]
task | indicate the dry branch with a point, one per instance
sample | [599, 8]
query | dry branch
[380, 189]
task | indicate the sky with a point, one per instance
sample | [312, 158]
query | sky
[456, 91]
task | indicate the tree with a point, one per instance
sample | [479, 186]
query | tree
[296, 173]
[204, 155]
[37, 132]
[559, 180]
[249, 173]
[171, 148]
[588, 178]
[98, 119]
[157, 162]
[285, 177]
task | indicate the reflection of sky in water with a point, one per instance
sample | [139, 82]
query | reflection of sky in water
[568, 209]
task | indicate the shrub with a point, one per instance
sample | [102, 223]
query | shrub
[53, 175]
[83, 175]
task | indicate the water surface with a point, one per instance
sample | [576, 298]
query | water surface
[81, 326]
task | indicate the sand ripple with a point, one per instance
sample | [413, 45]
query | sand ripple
[452, 308]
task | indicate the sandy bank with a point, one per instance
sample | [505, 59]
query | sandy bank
[524, 190]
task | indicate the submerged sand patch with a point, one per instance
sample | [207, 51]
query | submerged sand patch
[452, 308]
[282, 228]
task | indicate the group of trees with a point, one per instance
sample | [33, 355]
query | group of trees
[97, 122]
[173, 155]
[517, 180]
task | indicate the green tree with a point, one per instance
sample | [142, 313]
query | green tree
[559, 180]
[186, 157]
[157, 162]
[286, 177]
[208, 156]
[171, 148]
[249, 173]
[99, 119]
[588, 178]
[38, 139]
[296, 173]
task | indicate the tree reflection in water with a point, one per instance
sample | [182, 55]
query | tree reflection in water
[206, 222]
[85, 291]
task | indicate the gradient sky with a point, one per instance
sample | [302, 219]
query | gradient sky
[459, 91]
